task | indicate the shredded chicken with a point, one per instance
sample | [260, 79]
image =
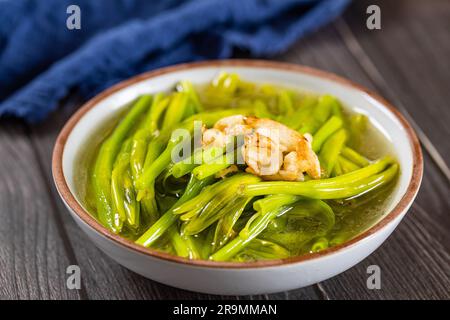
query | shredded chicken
[214, 137]
[290, 170]
[271, 150]
[262, 155]
[285, 136]
[233, 125]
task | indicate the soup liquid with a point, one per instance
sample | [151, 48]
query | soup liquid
[352, 217]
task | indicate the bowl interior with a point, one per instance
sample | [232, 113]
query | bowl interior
[352, 97]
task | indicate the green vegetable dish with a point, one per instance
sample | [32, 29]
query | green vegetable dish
[237, 171]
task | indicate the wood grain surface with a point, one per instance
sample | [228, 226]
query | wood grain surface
[407, 61]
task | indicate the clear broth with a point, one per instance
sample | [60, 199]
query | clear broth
[352, 216]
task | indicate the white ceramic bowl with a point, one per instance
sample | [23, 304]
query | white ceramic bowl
[240, 278]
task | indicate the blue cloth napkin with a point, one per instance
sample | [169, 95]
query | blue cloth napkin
[41, 60]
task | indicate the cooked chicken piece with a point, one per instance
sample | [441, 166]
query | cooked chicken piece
[214, 138]
[262, 156]
[288, 138]
[271, 149]
[308, 160]
[224, 129]
[228, 122]
[239, 130]
[289, 141]
[290, 171]
[233, 125]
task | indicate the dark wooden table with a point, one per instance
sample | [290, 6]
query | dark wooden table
[407, 61]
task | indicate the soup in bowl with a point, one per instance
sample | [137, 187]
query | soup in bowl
[237, 177]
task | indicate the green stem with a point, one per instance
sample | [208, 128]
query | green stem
[223, 200]
[186, 86]
[257, 225]
[198, 157]
[183, 245]
[101, 176]
[159, 104]
[347, 165]
[261, 110]
[355, 157]
[259, 249]
[176, 110]
[302, 113]
[213, 190]
[155, 167]
[319, 244]
[344, 186]
[331, 126]
[167, 219]
[285, 106]
[122, 191]
[138, 151]
[331, 149]
[224, 229]
[182, 168]
[337, 170]
[208, 169]
[321, 112]
[274, 201]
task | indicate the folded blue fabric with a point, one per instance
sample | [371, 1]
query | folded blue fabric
[41, 60]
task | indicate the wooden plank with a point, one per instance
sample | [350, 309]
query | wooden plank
[325, 50]
[33, 255]
[409, 269]
[412, 57]
[420, 243]
[414, 263]
[413, 76]
[103, 278]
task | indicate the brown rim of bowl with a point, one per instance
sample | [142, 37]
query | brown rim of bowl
[70, 200]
